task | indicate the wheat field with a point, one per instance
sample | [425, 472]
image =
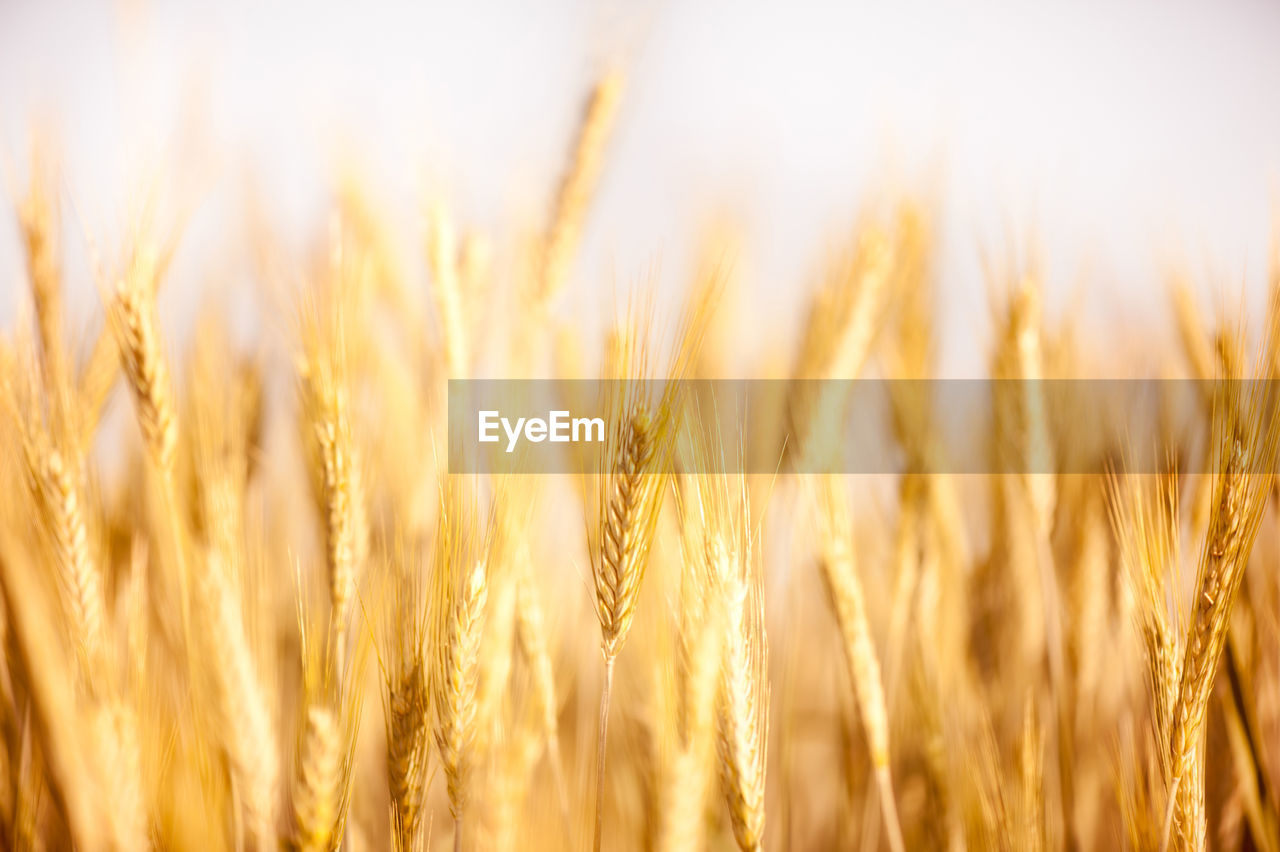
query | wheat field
[265, 612]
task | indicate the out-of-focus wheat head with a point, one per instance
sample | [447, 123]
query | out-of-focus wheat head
[460, 588]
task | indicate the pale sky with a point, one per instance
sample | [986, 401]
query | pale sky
[1125, 135]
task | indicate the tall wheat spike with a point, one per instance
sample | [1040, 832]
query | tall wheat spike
[458, 598]
[743, 707]
[701, 631]
[844, 589]
[407, 706]
[635, 469]
[133, 316]
[1245, 438]
[62, 512]
[531, 635]
[336, 459]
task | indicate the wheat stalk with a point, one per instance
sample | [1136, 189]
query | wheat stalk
[844, 590]
[1145, 522]
[1245, 453]
[630, 508]
[693, 688]
[459, 593]
[442, 254]
[135, 326]
[531, 636]
[133, 316]
[742, 712]
[687, 777]
[573, 197]
[336, 463]
[455, 687]
[407, 707]
[36, 652]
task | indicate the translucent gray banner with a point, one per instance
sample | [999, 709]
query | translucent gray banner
[862, 426]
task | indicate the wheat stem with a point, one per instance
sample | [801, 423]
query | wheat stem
[602, 739]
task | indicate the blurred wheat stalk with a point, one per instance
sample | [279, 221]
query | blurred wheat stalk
[192, 647]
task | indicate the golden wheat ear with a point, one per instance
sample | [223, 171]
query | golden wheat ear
[742, 715]
[716, 680]
[136, 327]
[406, 697]
[459, 590]
[134, 321]
[330, 709]
[335, 459]
[56, 485]
[1245, 433]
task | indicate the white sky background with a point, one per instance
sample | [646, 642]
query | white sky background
[1126, 136]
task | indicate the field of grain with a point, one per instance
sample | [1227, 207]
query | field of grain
[265, 612]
